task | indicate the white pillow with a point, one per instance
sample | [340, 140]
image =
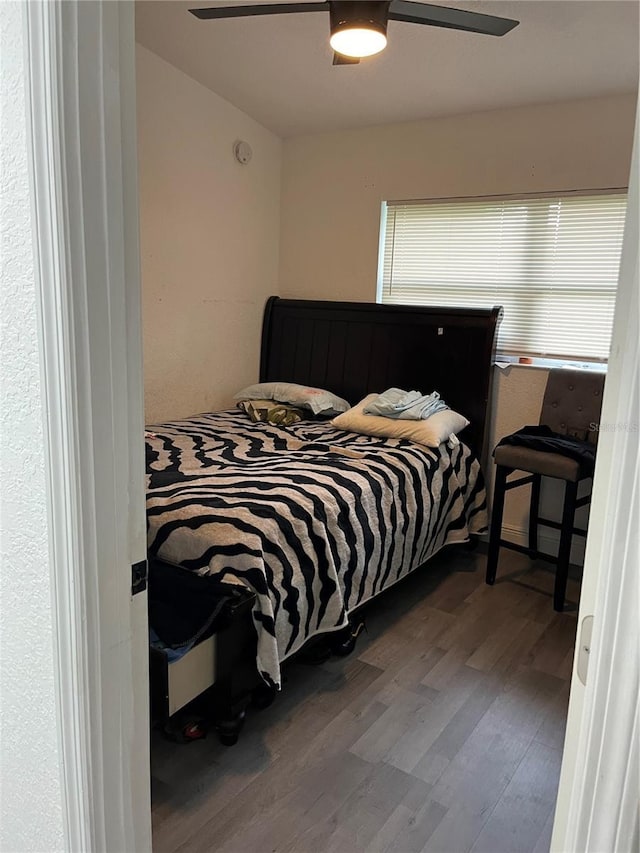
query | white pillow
[431, 432]
[316, 400]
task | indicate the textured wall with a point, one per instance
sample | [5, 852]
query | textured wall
[30, 780]
[209, 231]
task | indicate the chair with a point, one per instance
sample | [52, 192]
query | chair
[571, 405]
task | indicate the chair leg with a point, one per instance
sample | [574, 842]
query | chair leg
[496, 523]
[534, 508]
[564, 552]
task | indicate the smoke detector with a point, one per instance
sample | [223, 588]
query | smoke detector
[242, 152]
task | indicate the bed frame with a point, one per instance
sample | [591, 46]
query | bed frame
[355, 348]
[352, 349]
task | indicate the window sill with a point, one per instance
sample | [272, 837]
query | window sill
[505, 362]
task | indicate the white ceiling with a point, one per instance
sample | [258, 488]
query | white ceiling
[278, 68]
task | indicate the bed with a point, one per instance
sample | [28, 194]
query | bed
[297, 527]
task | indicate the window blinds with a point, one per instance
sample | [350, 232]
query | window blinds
[551, 261]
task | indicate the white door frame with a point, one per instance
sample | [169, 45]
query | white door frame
[82, 111]
[597, 806]
[81, 107]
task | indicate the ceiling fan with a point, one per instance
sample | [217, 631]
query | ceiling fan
[359, 27]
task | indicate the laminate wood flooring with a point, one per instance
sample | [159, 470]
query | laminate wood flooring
[442, 732]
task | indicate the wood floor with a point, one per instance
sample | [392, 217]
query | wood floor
[442, 732]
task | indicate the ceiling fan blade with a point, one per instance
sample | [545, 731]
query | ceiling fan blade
[339, 59]
[258, 9]
[454, 19]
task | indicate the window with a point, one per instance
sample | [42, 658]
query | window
[551, 261]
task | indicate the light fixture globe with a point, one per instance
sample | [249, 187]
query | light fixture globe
[358, 41]
[358, 28]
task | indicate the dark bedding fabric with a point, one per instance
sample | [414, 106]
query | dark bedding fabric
[314, 520]
[184, 607]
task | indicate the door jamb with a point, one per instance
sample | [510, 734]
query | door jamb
[598, 792]
[78, 55]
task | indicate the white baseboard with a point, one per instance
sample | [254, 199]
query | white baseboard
[548, 541]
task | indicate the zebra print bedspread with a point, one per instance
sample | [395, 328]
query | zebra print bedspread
[315, 520]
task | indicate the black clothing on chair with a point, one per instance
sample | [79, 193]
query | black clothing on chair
[544, 439]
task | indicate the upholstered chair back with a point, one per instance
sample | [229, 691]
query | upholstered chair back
[572, 403]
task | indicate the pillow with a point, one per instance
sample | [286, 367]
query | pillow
[316, 400]
[430, 432]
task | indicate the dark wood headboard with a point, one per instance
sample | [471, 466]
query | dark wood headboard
[354, 348]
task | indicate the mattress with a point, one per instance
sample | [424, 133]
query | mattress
[314, 520]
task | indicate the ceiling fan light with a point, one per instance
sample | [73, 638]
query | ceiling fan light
[358, 40]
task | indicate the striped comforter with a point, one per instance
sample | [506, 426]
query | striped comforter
[314, 520]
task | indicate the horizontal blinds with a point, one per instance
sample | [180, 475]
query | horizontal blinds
[551, 262]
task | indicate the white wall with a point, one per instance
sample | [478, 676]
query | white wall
[209, 241]
[334, 183]
[31, 816]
